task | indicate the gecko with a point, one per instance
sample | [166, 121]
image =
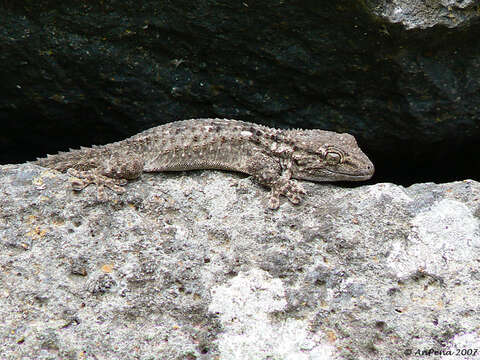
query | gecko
[273, 157]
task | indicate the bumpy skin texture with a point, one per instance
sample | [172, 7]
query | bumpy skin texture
[271, 156]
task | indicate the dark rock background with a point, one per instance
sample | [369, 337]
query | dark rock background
[404, 80]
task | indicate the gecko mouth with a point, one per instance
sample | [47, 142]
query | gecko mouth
[328, 176]
[366, 175]
[357, 177]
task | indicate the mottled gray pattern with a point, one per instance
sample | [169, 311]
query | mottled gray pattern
[271, 156]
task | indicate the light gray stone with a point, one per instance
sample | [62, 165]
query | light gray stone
[193, 266]
[426, 14]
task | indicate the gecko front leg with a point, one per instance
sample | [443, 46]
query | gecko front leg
[272, 173]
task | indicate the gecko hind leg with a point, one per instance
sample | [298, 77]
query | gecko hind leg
[114, 174]
[82, 179]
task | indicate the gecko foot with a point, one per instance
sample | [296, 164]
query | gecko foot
[85, 178]
[291, 189]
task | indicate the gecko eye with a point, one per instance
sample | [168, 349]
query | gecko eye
[333, 158]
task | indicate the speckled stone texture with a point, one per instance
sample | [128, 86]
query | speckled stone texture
[192, 266]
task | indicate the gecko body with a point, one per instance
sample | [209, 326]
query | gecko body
[273, 157]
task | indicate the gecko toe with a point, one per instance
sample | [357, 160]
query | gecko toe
[274, 202]
[294, 198]
[78, 184]
[117, 189]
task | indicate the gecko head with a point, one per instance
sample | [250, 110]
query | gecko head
[328, 156]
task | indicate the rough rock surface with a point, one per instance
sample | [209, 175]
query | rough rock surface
[415, 14]
[192, 266]
[402, 76]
